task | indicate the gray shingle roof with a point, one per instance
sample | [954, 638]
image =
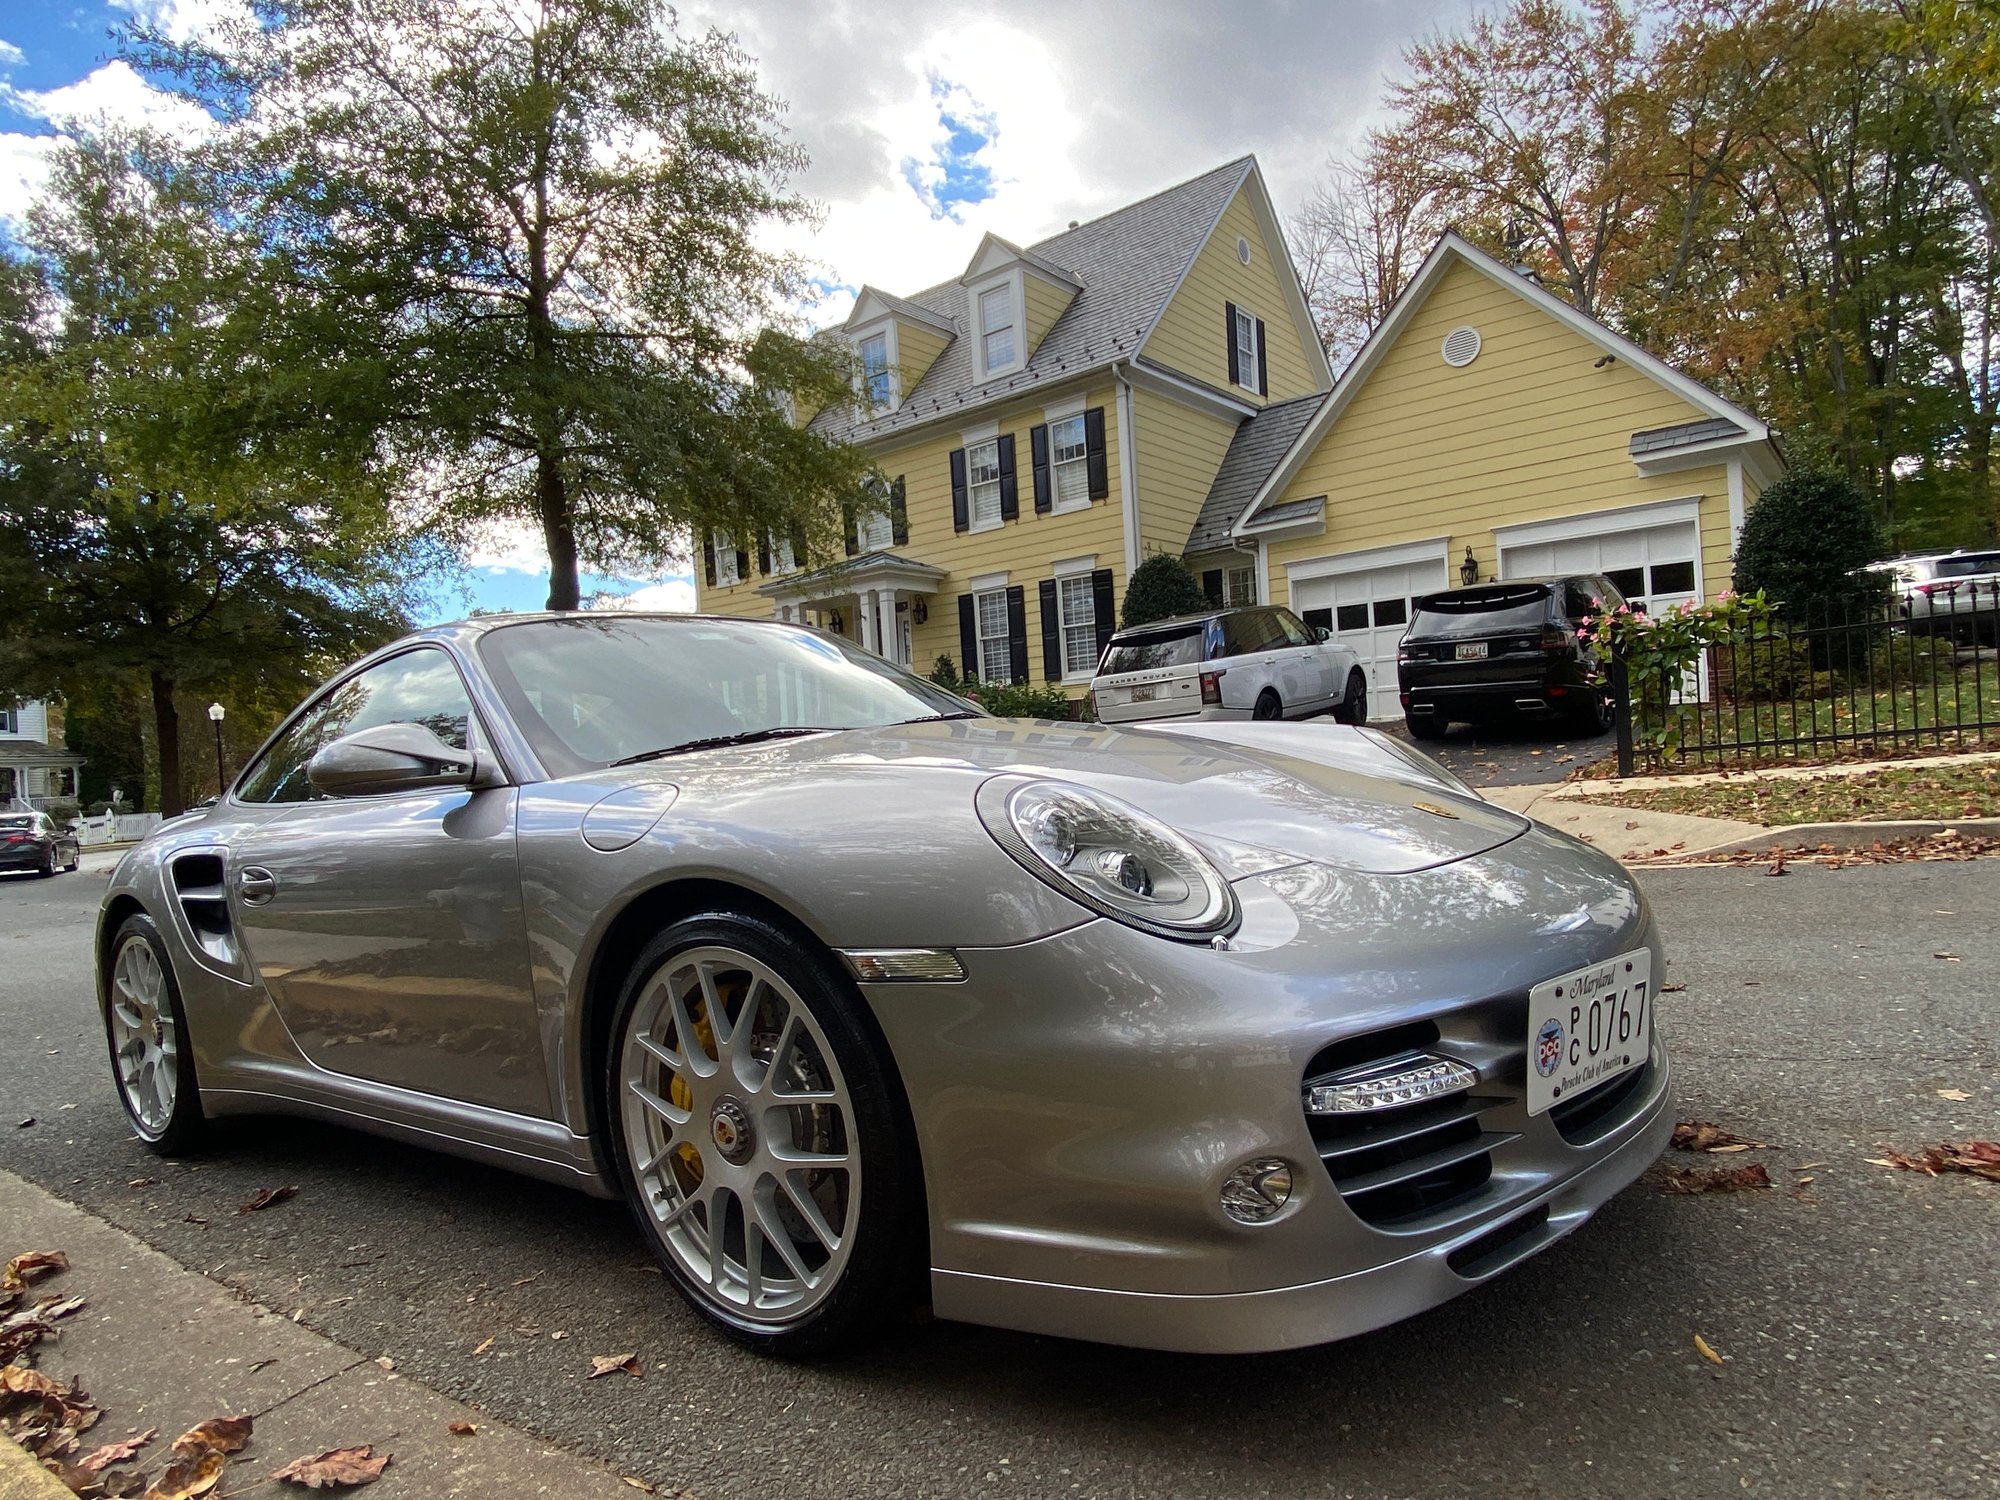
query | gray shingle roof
[1660, 439]
[1129, 261]
[1254, 451]
[928, 316]
[26, 752]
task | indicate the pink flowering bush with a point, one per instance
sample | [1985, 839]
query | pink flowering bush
[1662, 653]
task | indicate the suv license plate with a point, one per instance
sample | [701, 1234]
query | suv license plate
[1144, 694]
[1588, 1026]
[1472, 651]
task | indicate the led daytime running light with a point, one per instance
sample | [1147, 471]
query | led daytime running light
[1413, 1082]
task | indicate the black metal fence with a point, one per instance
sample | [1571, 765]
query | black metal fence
[1919, 671]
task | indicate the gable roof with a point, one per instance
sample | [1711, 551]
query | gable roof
[1128, 264]
[1723, 423]
[1254, 451]
[873, 303]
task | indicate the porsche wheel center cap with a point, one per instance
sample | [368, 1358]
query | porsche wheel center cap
[729, 1128]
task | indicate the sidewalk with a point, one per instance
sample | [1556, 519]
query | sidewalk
[157, 1345]
[1626, 833]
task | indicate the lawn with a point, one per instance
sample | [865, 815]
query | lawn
[1889, 793]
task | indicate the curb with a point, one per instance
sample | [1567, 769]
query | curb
[1855, 835]
[23, 1478]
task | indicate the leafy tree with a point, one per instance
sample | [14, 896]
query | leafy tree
[1161, 587]
[176, 511]
[545, 224]
[1804, 544]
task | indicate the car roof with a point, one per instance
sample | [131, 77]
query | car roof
[1499, 583]
[1206, 615]
[472, 628]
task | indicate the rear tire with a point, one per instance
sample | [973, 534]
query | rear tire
[1597, 714]
[1425, 726]
[152, 1056]
[1353, 709]
[1267, 706]
[724, 1017]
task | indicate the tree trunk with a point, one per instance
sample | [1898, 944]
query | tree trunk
[167, 731]
[558, 532]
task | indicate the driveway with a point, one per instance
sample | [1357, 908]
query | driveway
[1853, 1306]
[1524, 754]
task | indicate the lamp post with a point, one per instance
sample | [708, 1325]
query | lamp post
[215, 713]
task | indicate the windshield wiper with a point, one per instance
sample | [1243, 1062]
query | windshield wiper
[933, 718]
[716, 742]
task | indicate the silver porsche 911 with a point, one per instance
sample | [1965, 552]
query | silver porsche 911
[1216, 1037]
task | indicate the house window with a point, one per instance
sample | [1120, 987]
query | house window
[875, 369]
[1069, 455]
[1076, 612]
[10, 722]
[725, 560]
[782, 560]
[982, 476]
[65, 780]
[996, 327]
[995, 655]
[1240, 587]
[1246, 350]
[875, 531]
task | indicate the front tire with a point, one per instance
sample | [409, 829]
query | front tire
[152, 1059]
[760, 1136]
[1267, 706]
[1353, 709]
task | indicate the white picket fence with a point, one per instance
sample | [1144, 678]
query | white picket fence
[115, 828]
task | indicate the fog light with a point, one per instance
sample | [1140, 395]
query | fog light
[1258, 1190]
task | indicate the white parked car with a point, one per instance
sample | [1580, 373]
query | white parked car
[1257, 662]
[1960, 599]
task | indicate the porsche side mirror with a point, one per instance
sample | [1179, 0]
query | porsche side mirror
[389, 758]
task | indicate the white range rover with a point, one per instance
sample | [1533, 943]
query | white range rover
[1257, 662]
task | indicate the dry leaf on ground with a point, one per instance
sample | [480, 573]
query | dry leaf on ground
[1974, 1158]
[23, 1269]
[640, 1484]
[461, 1429]
[223, 1434]
[1707, 1352]
[265, 1197]
[340, 1466]
[117, 1453]
[611, 1364]
[1957, 1096]
[1749, 1176]
[193, 1475]
[1700, 1135]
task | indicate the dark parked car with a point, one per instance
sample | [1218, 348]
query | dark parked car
[32, 841]
[1505, 650]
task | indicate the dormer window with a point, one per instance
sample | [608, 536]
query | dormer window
[875, 370]
[997, 327]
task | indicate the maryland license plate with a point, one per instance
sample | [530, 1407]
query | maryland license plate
[1144, 694]
[1588, 1026]
[1472, 651]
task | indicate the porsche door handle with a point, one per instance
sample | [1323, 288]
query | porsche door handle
[256, 885]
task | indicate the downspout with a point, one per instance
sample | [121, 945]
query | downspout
[1128, 467]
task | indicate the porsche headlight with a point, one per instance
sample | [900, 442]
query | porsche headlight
[1109, 856]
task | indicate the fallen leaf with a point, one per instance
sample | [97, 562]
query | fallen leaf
[1701, 1135]
[1974, 1158]
[193, 1219]
[640, 1484]
[1672, 989]
[117, 1453]
[1778, 865]
[386, 1363]
[24, 1124]
[460, 1429]
[193, 1475]
[265, 1197]
[123, 1484]
[223, 1434]
[139, 1182]
[23, 1269]
[1957, 1096]
[337, 1467]
[1707, 1352]
[484, 1344]
[1749, 1176]
[610, 1364]
[1950, 958]
[51, 1308]
[1630, 826]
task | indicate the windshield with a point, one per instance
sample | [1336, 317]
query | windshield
[1501, 607]
[588, 692]
[1968, 566]
[1178, 647]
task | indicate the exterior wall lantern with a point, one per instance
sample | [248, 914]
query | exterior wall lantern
[918, 610]
[1468, 571]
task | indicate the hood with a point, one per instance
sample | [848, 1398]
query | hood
[1346, 797]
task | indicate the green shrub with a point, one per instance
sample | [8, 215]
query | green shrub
[1768, 668]
[1018, 700]
[1804, 544]
[1161, 587]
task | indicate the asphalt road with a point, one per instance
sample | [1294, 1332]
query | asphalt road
[1859, 1316]
[1527, 753]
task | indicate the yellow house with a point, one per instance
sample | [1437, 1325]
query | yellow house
[1046, 420]
[1486, 425]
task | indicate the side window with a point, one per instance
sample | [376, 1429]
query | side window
[1240, 633]
[418, 687]
[1295, 633]
[1576, 599]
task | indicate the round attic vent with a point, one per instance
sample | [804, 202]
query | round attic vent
[1243, 249]
[1461, 346]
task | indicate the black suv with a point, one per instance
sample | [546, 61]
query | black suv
[1505, 650]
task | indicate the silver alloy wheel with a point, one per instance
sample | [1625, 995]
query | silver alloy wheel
[143, 1037]
[738, 1126]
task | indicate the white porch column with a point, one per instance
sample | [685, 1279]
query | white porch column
[870, 623]
[886, 626]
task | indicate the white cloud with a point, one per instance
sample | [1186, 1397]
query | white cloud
[508, 548]
[113, 94]
[180, 20]
[24, 171]
[674, 596]
[10, 55]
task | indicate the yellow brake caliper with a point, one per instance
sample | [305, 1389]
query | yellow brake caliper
[682, 1096]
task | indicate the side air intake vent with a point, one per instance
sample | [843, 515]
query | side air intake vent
[198, 885]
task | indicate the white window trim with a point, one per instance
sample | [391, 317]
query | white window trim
[973, 523]
[1246, 380]
[774, 542]
[886, 328]
[1064, 574]
[1399, 554]
[1251, 569]
[1072, 565]
[726, 576]
[979, 583]
[1014, 281]
[1057, 506]
[980, 638]
[1057, 411]
[1599, 522]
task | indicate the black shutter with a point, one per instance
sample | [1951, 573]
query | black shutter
[1017, 631]
[708, 558]
[1010, 486]
[1038, 455]
[847, 540]
[1263, 381]
[1052, 662]
[1235, 368]
[742, 565]
[1211, 585]
[764, 553]
[899, 513]
[1102, 606]
[798, 544]
[968, 638]
[1094, 464]
[960, 519]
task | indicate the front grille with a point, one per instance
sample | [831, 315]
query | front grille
[1397, 1167]
[1595, 1113]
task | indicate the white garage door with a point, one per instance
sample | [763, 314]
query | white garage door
[1368, 610]
[1651, 566]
